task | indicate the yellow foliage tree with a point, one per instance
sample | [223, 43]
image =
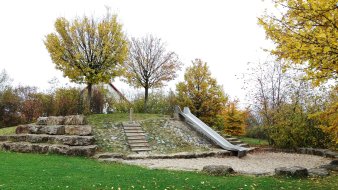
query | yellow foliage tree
[201, 93]
[305, 33]
[88, 50]
[329, 117]
[234, 119]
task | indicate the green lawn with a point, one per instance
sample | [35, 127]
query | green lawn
[98, 120]
[7, 131]
[253, 141]
[31, 171]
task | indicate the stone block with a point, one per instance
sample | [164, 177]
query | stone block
[55, 120]
[75, 120]
[42, 121]
[318, 172]
[218, 170]
[295, 171]
[82, 130]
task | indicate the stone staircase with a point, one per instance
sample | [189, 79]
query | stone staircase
[136, 137]
[235, 141]
[67, 135]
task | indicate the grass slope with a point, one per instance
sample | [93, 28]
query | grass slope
[7, 131]
[29, 171]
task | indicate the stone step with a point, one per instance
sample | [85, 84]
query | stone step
[82, 130]
[138, 145]
[136, 138]
[231, 139]
[243, 145]
[71, 140]
[133, 131]
[137, 141]
[131, 125]
[134, 134]
[25, 147]
[236, 142]
[140, 149]
[132, 128]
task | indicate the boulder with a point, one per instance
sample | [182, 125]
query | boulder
[42, 121]
[23, 129]
[218, 170]
[3, 138]
[318, 172]
[55, 120]
[295, 171]
[53, 130]
[75, 120]
[330, 167]
[334, 162]
[81, 130]
[75, 140]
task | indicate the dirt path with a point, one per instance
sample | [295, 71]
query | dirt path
[255, 163]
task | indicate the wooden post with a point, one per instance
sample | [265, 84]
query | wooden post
[131, 115]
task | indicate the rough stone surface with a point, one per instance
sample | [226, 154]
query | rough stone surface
[55, 120]
[51, 139]
[40, 129]
[3, 138]
[23, 129]
[82, 130]
[75, 120]
[47, 148]
[334, 162]
[295, 171]
[318, 172]
[42, 121]
[330, 167]
[218, 170]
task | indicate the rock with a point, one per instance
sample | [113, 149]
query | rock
[3, 138]
[16, 138]
[75, 120]
[331, 154]
[75, 140]
[53, 130]
[55, 120]
[295, 171]
[318, 172]
[40, 129]
[217, 170]
[334, 162]
[82, 130]
[23, 129]
[330, 167]
[45, 148]
[42, 121]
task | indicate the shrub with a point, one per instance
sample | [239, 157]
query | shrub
[10, 108]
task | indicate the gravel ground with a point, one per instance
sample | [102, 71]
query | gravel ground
[255, 163]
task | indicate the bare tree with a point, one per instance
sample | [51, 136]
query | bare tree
[149, 64]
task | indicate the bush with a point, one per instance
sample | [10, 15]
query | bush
[158, 103]
[67, 101]
[10, 108]
[258, 132]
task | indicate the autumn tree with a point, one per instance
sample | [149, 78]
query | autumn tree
[88, 50]
[234, 119]
[201, 93]
[150, 65]
[305, 33]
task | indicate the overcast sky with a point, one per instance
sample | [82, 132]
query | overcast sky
[223, 33]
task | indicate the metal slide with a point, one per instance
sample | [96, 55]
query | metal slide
[201, 127]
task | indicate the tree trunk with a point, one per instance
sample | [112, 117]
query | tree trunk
[89, 87]
[146, 94]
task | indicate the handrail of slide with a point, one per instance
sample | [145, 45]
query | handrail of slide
[207, 131]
